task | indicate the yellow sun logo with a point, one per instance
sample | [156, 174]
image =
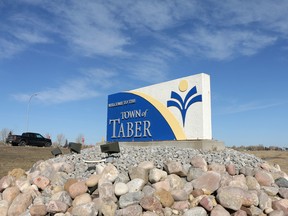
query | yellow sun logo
[183, 85]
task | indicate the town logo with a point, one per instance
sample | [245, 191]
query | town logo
[183, 105]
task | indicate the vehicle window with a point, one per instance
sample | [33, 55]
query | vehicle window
[39, 136]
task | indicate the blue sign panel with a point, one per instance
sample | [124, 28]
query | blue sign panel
[132, 117]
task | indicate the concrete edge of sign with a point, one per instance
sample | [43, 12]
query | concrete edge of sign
[205, 144]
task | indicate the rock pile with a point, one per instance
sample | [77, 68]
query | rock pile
[147, 181]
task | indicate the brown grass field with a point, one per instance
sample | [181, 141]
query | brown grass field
[273, 157]
[25, 157]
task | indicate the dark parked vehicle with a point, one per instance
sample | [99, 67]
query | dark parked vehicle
[32, 139]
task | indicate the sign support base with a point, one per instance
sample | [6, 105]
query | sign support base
[201, 144]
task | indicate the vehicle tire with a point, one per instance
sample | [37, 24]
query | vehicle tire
[47, 144]
[22, 143]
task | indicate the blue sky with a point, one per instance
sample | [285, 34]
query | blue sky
[75, 53]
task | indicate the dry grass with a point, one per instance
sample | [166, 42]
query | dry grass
[25, 157]
[22, 157]
[273, 157]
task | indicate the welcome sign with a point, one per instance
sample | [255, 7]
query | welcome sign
[175, 110]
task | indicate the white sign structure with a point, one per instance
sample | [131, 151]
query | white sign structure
[175, 110]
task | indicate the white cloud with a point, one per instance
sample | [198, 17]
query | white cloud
[89, 28]
[209, 29]
[100, 78]
[249, 106]
[20, 31]
[90, 84]
[92, 29]
[9, 48]
[267, 15]
[155, 15]
[30, 37]
[152, 66]
[223, 44]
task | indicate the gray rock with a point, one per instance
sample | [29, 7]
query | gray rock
[255, 211]
[218, 210]
[210, 181]
[162, 184]
[135, 185]
[56, 206]
[37, 210]
[280, 205]
[62, 196]
[276, 213]
[264, 178]
[67, 167]
[175, 182]
[179, 195]
[133, 210]
[46, 169]
[93, 180]
[20, 204]
[88, 209]
[122, 177]
[231, 197]
[231, 169]
[264, 200]
[199, 211]
[139, 173]
[77, 189]
[270, 190]
[148, 190]
[247, 171]
[110, 173]
[151, 203]
[238, 181]
[174, 167]
[4, 206]
[282, 182]
[165, 197]
[199, 162]
[5, 182]
[207, 203]
[252, 183]
[108, 208]
[10, 193]
[188, 187]
[194, 173]
[240, 213]
[121, 188]
[149, 213]
[130, 199]
[156, 175]
[106, 192]
[216, 167]
[148, 165]
[283, 192]
[59, 178]
[82, 199]
[41, 182]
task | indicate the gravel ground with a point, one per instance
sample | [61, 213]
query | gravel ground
[132, 156]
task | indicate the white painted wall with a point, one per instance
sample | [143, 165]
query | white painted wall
[198, 117]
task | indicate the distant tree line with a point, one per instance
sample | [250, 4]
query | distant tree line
[259, 147]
